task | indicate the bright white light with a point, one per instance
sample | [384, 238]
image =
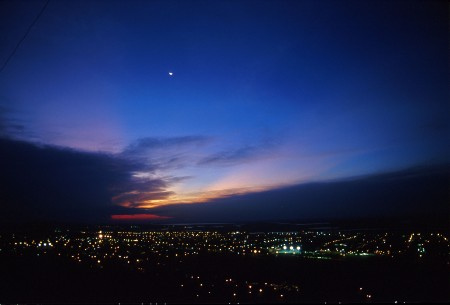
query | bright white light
[171, 73]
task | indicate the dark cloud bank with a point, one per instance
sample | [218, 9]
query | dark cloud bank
[420, 193]
[44, 183]
[51, 184]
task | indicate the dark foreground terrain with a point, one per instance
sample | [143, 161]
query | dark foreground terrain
[223, 279]
[202, 265]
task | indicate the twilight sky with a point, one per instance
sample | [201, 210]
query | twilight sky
[266, 97]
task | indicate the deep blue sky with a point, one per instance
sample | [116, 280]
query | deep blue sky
[264, 95]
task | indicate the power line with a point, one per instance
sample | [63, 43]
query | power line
[24, 36]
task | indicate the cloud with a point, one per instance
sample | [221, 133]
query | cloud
[243, 154]
[230, 157]
[137, 199]
[414, 193]
[166, 153]
[50, 183]
[179, 152]
[9, 126]
[53, 183]
[40, 182]
[147, 145]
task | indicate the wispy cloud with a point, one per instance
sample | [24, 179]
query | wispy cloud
[144, 146]
[11, 127]
[230, 157]
[241, 154]
[166, 153]
[170, 159]
[197, 150]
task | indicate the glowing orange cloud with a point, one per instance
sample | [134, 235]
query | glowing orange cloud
[195, 197]
[266, 174]
[138, 217]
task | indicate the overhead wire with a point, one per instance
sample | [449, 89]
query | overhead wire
[24, 36]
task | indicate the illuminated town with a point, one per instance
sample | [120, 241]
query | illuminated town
[226, 257]
[224, 152]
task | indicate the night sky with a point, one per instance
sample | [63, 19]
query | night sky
[205, 111]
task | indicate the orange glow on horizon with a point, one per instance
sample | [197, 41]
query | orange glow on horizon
[194, 197]
[268, 173]
[138, 217]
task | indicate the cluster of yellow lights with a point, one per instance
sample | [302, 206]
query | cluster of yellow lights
[102, 246]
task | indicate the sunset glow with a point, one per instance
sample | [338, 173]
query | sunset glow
[165, 105]
[132, 217]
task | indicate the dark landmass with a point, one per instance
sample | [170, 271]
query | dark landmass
[223, 263]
